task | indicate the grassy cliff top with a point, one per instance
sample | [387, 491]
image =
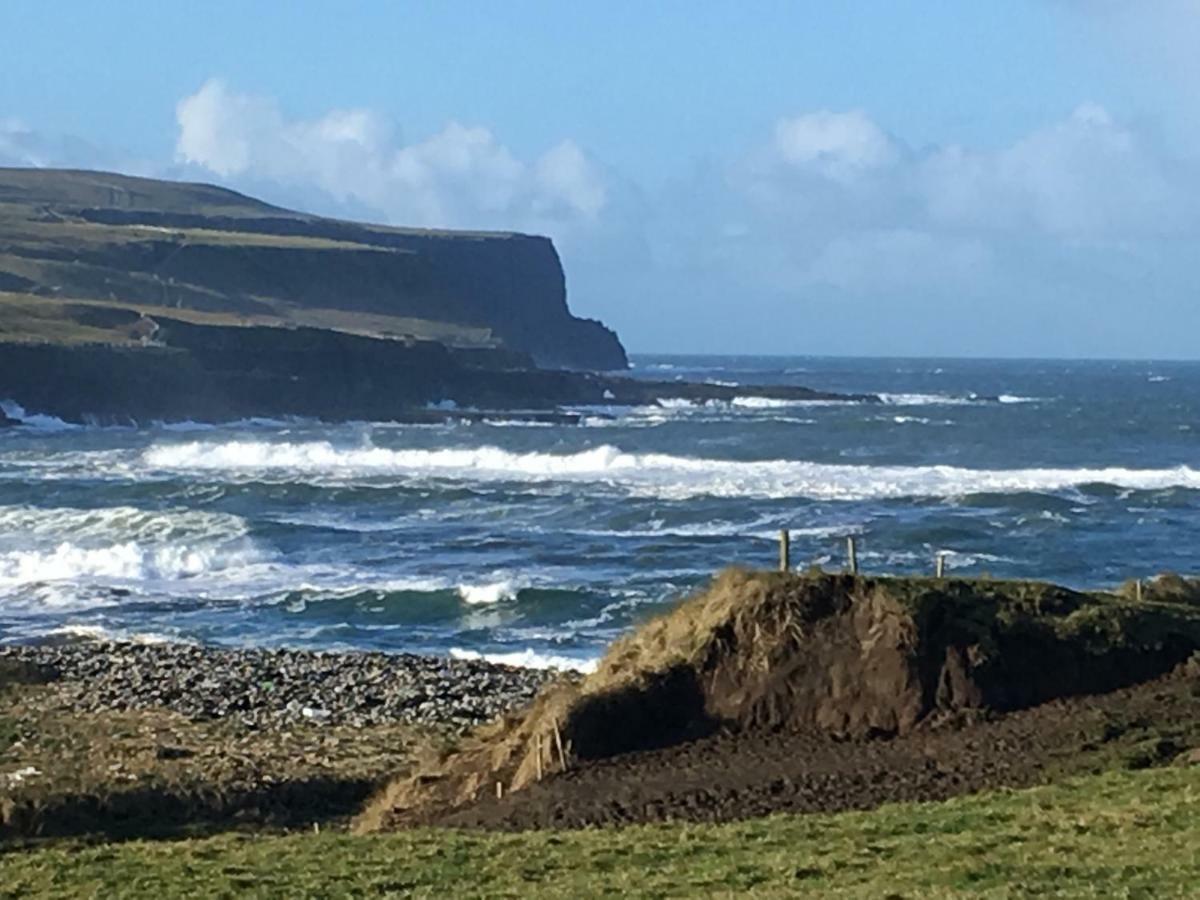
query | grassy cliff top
[39, 193]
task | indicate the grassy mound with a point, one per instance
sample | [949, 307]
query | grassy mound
[845, 655]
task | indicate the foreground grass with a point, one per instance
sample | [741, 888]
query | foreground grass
[1118, 834]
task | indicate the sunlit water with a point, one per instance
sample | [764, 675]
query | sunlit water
[543, 543]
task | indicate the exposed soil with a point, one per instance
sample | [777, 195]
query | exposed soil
[776, 692]
[725, 777]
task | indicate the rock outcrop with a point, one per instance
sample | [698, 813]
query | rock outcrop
[171, 370]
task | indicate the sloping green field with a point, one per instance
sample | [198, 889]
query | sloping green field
[1124, 834]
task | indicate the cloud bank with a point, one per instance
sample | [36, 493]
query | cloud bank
[825, 234]
[461, 177]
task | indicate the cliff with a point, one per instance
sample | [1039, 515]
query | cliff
[115, 364]
[145, 243]
[133, 299]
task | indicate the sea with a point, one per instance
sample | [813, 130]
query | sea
[538, 544]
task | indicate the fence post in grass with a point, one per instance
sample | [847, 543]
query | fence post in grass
[941, 565]
[538, 753]
[852, 555]
[1137, 589]
[785, 551]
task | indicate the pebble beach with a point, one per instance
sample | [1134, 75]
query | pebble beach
[272, 688]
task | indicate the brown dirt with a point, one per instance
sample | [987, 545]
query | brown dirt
[755, 773]
[774, 691]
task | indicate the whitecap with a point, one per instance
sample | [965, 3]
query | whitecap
[488, 593]
[528, 659]
[14, 410]
[117, 635]
[1013, 398]
[651, 474]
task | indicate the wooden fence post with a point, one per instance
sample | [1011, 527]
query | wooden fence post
[852, 555]
[941, 565]
[785, 551]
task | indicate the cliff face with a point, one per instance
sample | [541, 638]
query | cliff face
[160, 244]
[112, 364]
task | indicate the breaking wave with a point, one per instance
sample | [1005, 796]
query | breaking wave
[652, 474]
[528, 659]
[124, 562]
[16, 411]
[120, 523]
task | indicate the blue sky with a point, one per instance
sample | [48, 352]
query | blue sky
[901, 177]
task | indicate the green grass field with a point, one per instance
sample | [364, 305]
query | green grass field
[1122, 834]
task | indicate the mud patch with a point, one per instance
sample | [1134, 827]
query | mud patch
[771, 659]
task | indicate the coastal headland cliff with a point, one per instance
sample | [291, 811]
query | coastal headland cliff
[127, 298]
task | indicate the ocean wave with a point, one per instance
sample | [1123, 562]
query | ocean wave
[653, 474]
[911, 420]
[751, 403]
[15, 410]
[1013, 398]
[518, 423]
[106, 634]
[489, 593]
[528, 659]
[120, 523]
[929, 399]
[126, 562]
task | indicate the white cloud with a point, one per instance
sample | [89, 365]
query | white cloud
[831, 200]
[21, 145]
[462, 176]
[827, 224]
[840, 146]
[1084, 178]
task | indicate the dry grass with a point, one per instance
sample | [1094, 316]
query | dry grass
[847, 655]
[157, 772]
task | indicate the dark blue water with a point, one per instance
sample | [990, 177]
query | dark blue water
[547, 542]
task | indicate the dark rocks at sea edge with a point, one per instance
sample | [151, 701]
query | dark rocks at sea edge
[265, 688]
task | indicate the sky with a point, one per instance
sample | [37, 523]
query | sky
[882, 177]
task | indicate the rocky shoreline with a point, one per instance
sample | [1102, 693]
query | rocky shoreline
[273, 688]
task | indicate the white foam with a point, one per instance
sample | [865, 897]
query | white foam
[960, 560]
[14, 410]
[529, 659]
[517, 423]
[487, 594]
[765, 403]
[927, 399]
[1012, 398]
[653, 474]
[116, 562]
[120, 523]
[118, 636]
